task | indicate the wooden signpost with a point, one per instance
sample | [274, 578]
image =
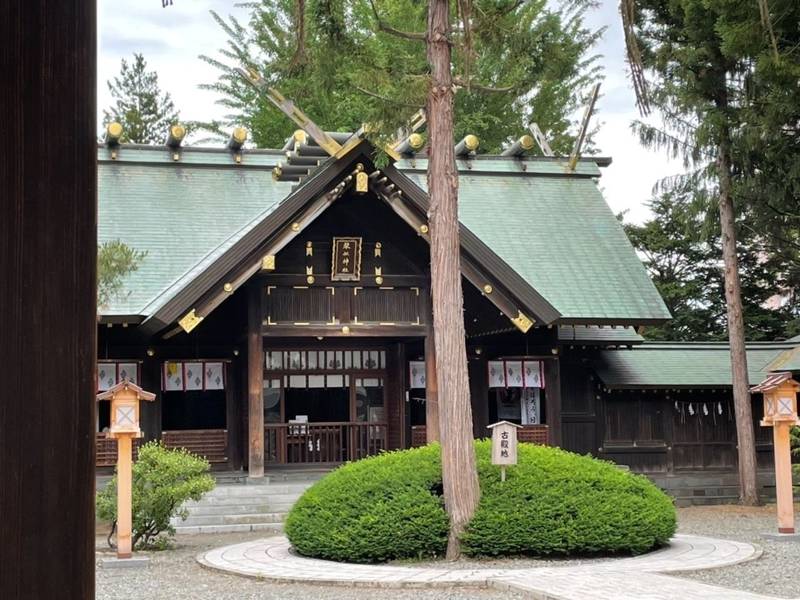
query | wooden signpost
[504, 445]
[780, 412]
[125, 397]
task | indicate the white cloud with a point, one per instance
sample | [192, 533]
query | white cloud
[172, 38]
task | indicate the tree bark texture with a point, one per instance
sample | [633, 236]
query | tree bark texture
[48, 318]
[459, 474]
[748, 487]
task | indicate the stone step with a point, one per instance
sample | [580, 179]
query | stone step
[257, 490]
[240, 519]
[203, 510]
[230, 528]
[281, 500]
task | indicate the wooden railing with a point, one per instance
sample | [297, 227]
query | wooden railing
[297, 443]
[212, 444]
[532, 434]
[209, 443]
[106, 450]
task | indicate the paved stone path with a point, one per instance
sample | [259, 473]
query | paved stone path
[639, 577]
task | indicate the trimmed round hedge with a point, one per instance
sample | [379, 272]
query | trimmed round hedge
[552, 503]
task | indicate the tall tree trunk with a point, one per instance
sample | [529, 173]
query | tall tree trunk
[459, 473]
[748, 488]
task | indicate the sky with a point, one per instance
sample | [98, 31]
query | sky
[171, 39]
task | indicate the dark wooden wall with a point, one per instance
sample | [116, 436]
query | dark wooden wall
[47, 307]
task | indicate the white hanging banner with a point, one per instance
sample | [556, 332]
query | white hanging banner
[106, 376]
[193, 376]
[514, 374]
[532, 370]
[497, 374]
[129, 371]
[172, 377]
[531, 399]
[416, 374]
[111, 373]
[214, 373]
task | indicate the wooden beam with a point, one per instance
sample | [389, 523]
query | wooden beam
[255, 383]
[587, 116]
[337, 331]
[541, 140]
[48, 327]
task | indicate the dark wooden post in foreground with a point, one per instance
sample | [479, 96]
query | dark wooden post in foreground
[48, 257]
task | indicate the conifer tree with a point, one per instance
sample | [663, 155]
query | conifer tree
[702, 57]
[144, 111]
[401, 55]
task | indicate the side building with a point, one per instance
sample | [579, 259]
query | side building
[282, 311]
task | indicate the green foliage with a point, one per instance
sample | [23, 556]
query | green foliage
[162, 481]
[115, 260]
[348, 68]
[139, 105]
[376, 509]
[795, 442]
[553, 502]
[679, 249]
[722, 85]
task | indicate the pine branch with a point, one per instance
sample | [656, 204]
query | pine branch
[471, 85]
[383, 26]
[384, 98]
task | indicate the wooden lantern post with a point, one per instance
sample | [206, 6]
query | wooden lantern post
[504, 445]
[780, 412]
[125, 397]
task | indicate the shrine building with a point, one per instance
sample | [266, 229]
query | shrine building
[282, 311]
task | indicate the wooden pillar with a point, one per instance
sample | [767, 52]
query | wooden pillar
[479, 395]
[431, 390]
[48, 327]
[124, 496]
[552, 382]
[255, 383]
[783, 476]
[234, 451]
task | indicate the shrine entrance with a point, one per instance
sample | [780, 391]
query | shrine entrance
[324, 406]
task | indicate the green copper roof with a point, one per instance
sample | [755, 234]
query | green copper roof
[181, 216]
[552, 227]
[788, 360]
[672, 364]
[558, 233]
[592, 334]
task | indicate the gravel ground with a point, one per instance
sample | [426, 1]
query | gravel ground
[775, 573]
[176, 575]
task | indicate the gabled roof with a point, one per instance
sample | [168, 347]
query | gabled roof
[556, 231]
[182, 214]
[683, 364]
[551, 232]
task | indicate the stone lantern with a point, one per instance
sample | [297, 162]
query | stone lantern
[125, 397]
[780, 413]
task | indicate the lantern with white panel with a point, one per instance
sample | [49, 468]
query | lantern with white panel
[780, 413]
[125, 397]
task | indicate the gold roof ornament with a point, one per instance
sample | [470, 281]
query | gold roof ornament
[522, 322]
[189, 321]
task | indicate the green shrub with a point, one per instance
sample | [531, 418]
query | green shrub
[556, 502]
[162, 481]
[552, 502]
[375, 509]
